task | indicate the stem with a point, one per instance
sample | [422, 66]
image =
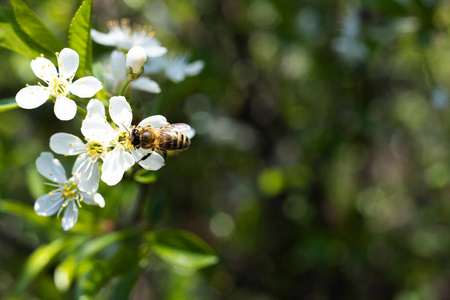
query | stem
[122, 90]
[82, 110]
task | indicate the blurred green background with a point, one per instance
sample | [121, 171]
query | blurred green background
[320, 168]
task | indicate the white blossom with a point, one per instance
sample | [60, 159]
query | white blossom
[123, 155]
[175, 68]
[86, 169]
[124, 37]
[60, 85]
[66, 195]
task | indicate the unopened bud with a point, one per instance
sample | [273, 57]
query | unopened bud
[135, 61]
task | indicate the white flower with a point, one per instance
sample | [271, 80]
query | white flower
[86, 169]
[60, 85]
[135, 59]
[124, 155]
[67, 195]
[124, 36]
[116, 75]
[176, 68]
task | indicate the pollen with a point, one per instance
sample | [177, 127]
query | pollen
[70, 145]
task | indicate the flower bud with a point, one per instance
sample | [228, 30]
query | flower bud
[135, 61]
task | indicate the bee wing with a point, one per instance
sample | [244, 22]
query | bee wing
[180, 127]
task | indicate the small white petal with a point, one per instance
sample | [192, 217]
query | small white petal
[102, 38]
[115, 163]
[136, 58]
[50, 167]
[65, 108]
[118, 67]
[194, 68]
[87, 173]
[120, 111]
[66, 144]
[154, 162]
[190, 133]
[175, 72]
[154, 51]
[146, 84]
[98, 130]
[93, 199]
[32, 96]
[154, 121]
[49, 204]
[68, 61]
[70, 215]
[95, 109]
[44, 69]
[86, 87]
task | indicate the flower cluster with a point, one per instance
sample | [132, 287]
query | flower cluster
[110, 146]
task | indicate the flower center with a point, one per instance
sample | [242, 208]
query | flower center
[70, 190]
[59, 87]
[124, 141]
[95, 149]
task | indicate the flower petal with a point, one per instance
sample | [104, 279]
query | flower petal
[32, 96]
[154, 162]
[66, 144]
[86, 87]
[68, 61]
[98, 130]
[194, 68]
[175, 72]
[70, 215]
[153, 49]
[118, 67]
[95, 109]
[44, 69]
[146, 84]
[115, 163]
[87, 172]
[120, 111]
[93, 199]
[103, 38]
[190, 133]
[50, 167]
[154, 121]
[49, 204]
[65, 108]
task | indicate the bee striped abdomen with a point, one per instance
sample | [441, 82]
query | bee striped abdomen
[174, 141]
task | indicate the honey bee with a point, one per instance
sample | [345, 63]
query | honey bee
[164, 138]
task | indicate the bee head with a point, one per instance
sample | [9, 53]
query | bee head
[134, 137]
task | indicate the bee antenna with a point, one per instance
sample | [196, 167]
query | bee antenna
[125, 128]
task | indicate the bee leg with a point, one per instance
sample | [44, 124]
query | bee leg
[145, 156]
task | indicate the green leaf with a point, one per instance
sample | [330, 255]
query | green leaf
[80, 37]
[145, 177]
[12, 37]
[27, 213]
[125, 284]
[37, 261]
[66, 271]
[8, 103]
[182, 249]
[34, 28]
[100, 272]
